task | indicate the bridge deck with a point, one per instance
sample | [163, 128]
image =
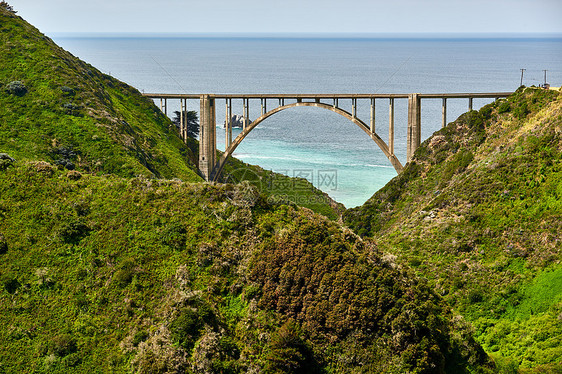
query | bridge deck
[474, 95]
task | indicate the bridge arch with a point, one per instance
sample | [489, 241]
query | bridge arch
[236, 142]
[210, 169]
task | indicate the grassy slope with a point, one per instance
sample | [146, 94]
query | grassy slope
[477, 213]
[72, 112]
[107, 274]
[280, 188]
[71, 105]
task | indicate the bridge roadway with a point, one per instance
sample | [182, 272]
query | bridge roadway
[211, 168]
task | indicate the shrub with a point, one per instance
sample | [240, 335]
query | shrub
[174, 235]
[43, 278]
[16, 88]
[504, 107]
[43, 167]
[5, 161]
[189, 326]
[487, 111]
[10, 284]
[74, 175]
[475, 296]
[73, 230]
[521, 111]
[63, 345]
[457, 164]
[140, 336]
[125, 274]
[4, 5]
[288, 353]
[67, 91]
[3, 245]
[63, 157]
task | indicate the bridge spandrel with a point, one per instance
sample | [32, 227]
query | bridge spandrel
[210, 167]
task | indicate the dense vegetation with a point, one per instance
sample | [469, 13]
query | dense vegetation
[55, 107]
[112, 260]
[108, 274]
[477, 213]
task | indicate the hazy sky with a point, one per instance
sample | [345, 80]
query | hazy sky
[305, 16]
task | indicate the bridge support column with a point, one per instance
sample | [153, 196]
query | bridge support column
[246, 113]
[183, 119]
[208, 139]
[228, 124]
[164, 106]
[372, 116]
[414, 124]
[391, 126]
[444, 113]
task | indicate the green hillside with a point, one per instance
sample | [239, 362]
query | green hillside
[106, 274]
[56, 108]
[478, 213]
[116, 257]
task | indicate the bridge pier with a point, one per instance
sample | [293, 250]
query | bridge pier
[208, 139]
[414, 125]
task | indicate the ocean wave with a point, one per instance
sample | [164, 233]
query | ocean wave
[239, 129]
[379, 166]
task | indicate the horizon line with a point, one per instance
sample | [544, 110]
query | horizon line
[312, 35]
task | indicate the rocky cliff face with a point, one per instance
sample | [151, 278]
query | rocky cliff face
[237, 121]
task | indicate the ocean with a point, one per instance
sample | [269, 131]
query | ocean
[313, 141]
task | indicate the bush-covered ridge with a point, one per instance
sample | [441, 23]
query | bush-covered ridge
[111, 274]
[477, 212]
[56, 108]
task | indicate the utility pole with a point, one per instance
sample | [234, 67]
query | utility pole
[522, 70]
[545, 77]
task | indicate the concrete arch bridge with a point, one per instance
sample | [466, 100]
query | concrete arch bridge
[211, 167]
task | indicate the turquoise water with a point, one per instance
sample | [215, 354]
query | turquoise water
[315, 142]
